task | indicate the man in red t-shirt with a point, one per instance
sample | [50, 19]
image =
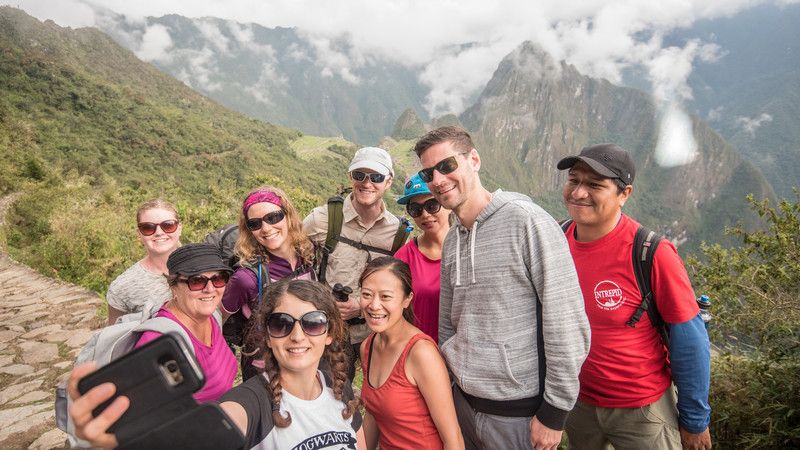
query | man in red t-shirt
[626, 397]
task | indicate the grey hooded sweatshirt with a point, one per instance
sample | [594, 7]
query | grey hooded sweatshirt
[512, 323]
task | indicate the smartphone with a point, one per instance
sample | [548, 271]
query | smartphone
[205, 427]
[158, 378]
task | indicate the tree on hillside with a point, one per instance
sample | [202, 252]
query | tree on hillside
[755, 386]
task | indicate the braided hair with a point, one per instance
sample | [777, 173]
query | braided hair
[321, 297]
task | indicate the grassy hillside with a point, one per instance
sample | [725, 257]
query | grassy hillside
[88, 132]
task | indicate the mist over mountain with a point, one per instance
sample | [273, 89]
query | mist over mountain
[536, 111]
[751, 94]
[533, 112]
[749, 91]
[276, 75]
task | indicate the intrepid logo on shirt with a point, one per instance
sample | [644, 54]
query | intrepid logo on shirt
[608, 295]
[331, 439]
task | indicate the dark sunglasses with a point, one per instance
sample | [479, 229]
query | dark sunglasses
[430, 205]
[444, 167]
[199, 282]
[149, 228]
[314, 323]
[272, 218]
[375, 178]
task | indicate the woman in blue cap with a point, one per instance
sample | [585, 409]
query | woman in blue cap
[423, 254]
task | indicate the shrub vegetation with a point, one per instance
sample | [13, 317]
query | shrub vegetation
[755, 385]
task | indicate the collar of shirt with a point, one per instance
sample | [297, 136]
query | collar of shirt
[349, 211]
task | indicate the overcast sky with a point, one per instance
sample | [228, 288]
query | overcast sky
[601, 38]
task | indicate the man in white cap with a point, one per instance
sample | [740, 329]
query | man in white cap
[368, 230]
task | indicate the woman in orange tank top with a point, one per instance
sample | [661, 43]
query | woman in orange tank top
[406, 389]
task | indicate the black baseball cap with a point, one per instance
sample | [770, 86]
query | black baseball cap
[194, 259]
[608, 160]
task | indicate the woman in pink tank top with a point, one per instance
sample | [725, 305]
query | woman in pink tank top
[406, 389]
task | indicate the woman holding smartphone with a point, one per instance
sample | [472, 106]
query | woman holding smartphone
[293, 403]
[159, 231]
[406, 388]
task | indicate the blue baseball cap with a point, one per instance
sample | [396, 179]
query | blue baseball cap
[414, 186]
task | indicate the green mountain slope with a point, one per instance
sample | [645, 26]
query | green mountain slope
[88, 132]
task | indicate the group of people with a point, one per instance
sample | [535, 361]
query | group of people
[532, 321]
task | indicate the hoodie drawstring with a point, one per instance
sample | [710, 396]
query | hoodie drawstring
[472, 249]
[458, 257]
[472, 233]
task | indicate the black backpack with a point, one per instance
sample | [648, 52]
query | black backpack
[225, 240]
[333, 236]
[644, 247]
[235, 327]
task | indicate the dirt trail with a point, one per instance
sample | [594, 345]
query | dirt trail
[43, 324]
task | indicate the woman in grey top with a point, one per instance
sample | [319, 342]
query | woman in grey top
[159, 231]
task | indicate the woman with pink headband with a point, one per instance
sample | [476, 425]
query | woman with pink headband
[271, 246]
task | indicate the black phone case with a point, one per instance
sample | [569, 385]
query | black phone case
[153, 401]
[204, 427]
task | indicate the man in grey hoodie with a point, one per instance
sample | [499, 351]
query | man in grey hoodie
[512, 325]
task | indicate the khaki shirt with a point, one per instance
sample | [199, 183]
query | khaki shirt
[346, 262]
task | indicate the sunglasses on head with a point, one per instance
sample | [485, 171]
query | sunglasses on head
[149, 228]
[272, 218]
[431, 206]
[199, 282]
[375, 178]
[314, 323]
[445, 166]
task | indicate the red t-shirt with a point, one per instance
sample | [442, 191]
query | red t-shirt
[626, 367]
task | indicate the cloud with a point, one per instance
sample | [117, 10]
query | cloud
[269, 80]
[202, 70]
[213, 35]
[750, 125]
[467, 72]
[67, 13]
[336, 56]
[676, 144]
[155, 44]
[455, 45]
[715, 114]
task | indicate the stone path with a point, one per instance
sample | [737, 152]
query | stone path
[43, 324]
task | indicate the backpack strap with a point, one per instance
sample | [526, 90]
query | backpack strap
[401, 235]
[644, 248]
[565, 225]
[369, 248]
[335, 220]
[263, 278]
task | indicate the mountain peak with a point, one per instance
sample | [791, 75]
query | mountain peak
[408, 126]
[535, 111]
[531, 59]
